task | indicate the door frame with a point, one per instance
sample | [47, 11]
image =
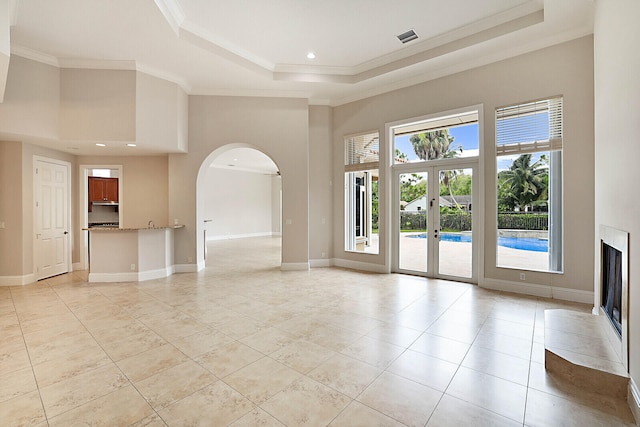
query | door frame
[83, 203]
[69, 219]
[433, 168]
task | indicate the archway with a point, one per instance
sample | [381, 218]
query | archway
[239, 198]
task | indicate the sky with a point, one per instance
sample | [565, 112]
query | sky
[464, 136]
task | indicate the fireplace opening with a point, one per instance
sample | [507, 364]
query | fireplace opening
[612, 285]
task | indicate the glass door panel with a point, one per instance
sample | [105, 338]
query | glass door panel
[455, 247]
[413, 220]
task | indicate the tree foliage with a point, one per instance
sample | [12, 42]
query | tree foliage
[524, 184]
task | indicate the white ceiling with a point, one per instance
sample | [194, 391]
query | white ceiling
[258, 47]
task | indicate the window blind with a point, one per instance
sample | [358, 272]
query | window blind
[362, 152]
[530, 127]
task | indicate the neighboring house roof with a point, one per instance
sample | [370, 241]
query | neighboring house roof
[462, 200]
[422, 203]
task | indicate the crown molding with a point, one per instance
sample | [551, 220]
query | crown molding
[172, 12]
[34, 55]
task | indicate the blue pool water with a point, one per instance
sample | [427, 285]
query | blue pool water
[525, 244]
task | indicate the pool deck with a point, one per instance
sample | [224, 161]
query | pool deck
[455, 257]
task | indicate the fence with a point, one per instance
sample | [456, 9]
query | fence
[461, 221]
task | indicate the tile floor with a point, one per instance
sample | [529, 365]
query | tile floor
[245, 344]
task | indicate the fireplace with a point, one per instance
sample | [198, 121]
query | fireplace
[614, 287]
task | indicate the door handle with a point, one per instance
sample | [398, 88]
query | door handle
[66, 232]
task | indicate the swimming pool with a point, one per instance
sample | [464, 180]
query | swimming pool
[522, 243]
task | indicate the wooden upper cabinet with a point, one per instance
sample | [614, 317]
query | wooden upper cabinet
[102, 190]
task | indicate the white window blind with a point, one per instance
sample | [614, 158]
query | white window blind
[362, 152]
[530, 127]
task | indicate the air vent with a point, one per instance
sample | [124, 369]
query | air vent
[407, 36]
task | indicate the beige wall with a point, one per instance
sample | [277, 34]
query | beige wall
[32, 99]
[237, 202]
[161, 121]
[565, 69]
[144, 188]
[97, 104]
[11, 208]
[320, 183]
[279, 128]
[617, 129]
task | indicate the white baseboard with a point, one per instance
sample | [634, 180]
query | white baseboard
[319, 263]
[155, 274]
[633, 399]
[536, 290]
[187, 268]
[294, 266]
[358, 265]
[17, 280]
[242, 236]
[113, 277]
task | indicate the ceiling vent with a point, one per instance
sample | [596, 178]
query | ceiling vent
[407, 36]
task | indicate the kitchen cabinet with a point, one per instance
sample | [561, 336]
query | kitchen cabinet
[102, 190]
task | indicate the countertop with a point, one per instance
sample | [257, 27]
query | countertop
[164, 227]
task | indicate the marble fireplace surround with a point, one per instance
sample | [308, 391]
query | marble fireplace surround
[584, 348]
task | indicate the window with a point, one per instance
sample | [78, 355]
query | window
[361, 162]
[444, 137]
[529, 181]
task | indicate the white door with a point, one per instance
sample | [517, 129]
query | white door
[51, 247]
[434, 223]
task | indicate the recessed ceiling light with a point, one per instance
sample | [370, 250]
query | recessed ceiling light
[99, 144]
[311, 55]
[131, 145]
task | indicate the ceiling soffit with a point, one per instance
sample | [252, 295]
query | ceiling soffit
[500, 24]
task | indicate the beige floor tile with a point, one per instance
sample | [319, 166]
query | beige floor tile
[125, 346]
[14, 358]
[241, 327]
[152, 420]
[492, 393]
[24, 410]
[303, 356]
[201, 342]
[546, 410]
[345, 374]
[498, 364]
[401, 399]
[517, 347]
[457, 331]
[228, 358]
[268, 340]
[257, 417]
[262, 379]
[376, 353]
[123, 407]
[421, 368]
[63, 368]
[333, 337]
[395, 334]
[75, 391]
[306, 402]
[169, 386]
[359, 415]
[17, 383]
[452, 412]
[215, 405]
[150, 362]
[443, 348]
[509, 328]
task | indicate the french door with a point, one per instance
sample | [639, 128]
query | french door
[434, 220]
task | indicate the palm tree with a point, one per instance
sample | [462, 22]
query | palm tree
[437, 145]
[525, 183]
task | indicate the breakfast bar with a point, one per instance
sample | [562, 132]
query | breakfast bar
[130, 254]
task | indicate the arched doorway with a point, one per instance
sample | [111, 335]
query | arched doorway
[239, 206]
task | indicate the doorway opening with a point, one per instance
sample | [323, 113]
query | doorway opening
[435, 187]
[240, 195]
